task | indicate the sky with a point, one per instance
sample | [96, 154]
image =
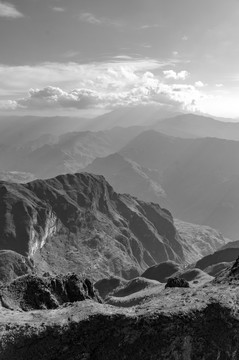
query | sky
[86, 57]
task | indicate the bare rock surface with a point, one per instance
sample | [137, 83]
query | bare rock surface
[177, 282]
[30, 292]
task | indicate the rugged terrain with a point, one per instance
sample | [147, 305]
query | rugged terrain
[60, 235]
[189, 323]
[79, 223]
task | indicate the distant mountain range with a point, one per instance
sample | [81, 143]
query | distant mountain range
[199, 176]
[191, 125]
[192, 174]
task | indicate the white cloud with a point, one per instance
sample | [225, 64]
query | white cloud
[219, 85]
[9, 10]
[175, 53]
[123, 57]
[90, 18]
[199, 84]
[58, 9]
[171, 74]
[17, 80]
[121, 82]
[94, 20]
[8, 105]
[148, 26]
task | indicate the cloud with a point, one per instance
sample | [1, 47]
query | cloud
[17, 80]
[123, 57]
[9, 11]
[117, 83]
[148, 26]
[94, 20]
[137, 90]
[199, 84]
[90, 18]
[219, 85]
[185, 38]
[171, 74]
[58, 9]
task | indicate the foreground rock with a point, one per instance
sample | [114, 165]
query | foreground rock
[30, 292]
[174, 324]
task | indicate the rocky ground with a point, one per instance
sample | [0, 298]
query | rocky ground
[182, 324]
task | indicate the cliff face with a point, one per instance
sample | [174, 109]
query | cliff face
[79, 223]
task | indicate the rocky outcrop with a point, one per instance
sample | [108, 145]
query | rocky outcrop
[176, 282]
[30, 292]
[78, 223]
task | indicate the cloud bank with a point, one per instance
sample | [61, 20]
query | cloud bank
[106, 86]
[8, 10]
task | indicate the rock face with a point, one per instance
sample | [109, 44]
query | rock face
[78, 223]
[176, 282]
[30, 292]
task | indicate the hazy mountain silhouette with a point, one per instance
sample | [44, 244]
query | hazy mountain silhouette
[192, 125]
[199, 176]
[46, 156]
[126, 176]
[141, 115]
